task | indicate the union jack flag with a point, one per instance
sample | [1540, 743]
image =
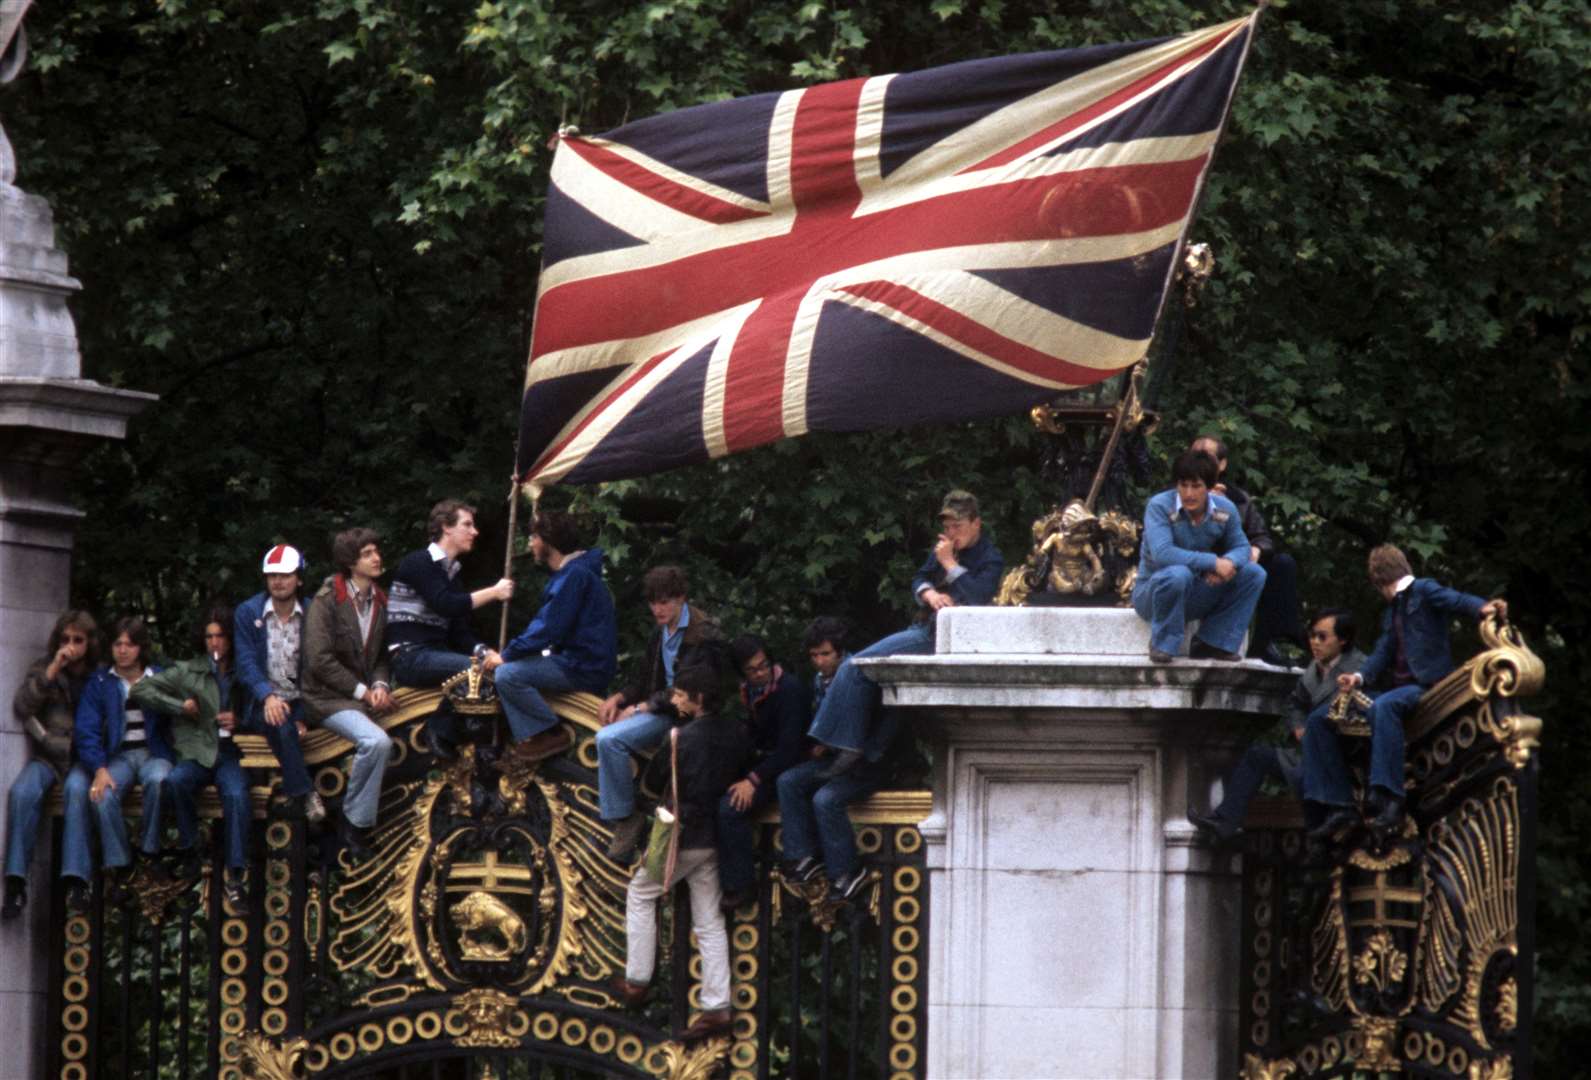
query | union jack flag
[955, 243]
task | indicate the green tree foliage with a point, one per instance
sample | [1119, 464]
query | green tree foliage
[312, 227]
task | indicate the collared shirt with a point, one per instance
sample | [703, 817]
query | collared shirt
[1403, 583]
[364, 609]
[223, 686]
[283, 641]
[672, 642]
[133, 729]
[821, 684]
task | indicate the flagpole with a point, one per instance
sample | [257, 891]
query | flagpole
[1126, 404]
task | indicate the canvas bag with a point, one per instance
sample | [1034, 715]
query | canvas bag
[662, 845]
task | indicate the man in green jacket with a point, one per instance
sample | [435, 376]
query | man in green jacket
[204, 699]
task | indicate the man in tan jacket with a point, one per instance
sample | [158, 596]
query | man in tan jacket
[346, 681]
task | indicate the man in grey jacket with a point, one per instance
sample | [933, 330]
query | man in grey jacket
[1331, 635]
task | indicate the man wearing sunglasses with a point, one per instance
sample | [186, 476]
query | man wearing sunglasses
[1331, 637]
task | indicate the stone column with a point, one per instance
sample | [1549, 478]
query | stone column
[1076, 927]
[49, 418]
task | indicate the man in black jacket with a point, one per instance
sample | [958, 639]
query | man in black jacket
[1276, 612]
[776, 704]
[711, 749]
[637, 718]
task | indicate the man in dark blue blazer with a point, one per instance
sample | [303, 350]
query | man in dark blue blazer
[1413, 653]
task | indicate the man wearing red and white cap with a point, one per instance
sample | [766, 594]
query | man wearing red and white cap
[268, 634]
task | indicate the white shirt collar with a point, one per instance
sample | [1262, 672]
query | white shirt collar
[1403, 583]
[436, 552]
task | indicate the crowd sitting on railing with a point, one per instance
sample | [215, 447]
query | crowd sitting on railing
[279, 664]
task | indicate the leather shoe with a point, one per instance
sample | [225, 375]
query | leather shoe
[355, 840]
[1388, 811]
[1203, 650]
[77, 896]
[734, 901]
[632, 994]
[1336, 825]
[1214, 831]
[442, 748]
[708, 1024]
[545, 745]
[16, 897]
[1158, 656]
[626, 835]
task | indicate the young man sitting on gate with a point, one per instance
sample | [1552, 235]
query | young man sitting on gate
[637, 718]
[1195, 564]
[710, 751]
[1413, 653]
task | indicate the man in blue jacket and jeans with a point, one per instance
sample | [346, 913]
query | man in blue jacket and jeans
[268, 634]
[1413, 653]
[1195, 564]
[571, 644]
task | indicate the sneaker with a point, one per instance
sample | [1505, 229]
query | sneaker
[800, 870]
[626, 835]
[16, 897]
[314, 808]
[234, 890]
[707, 1025]
[848, 886]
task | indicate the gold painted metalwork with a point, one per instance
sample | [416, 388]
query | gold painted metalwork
[823, 908]
[266, 1059]
[154, 892]
[1382, 964]
[1068, 543]
[1258, 1068]
[1508, 1005]
[471, 691]
[1380, 1035]
[1496, 1069]
[698, 1062]
[486, 1014]
[488, 928]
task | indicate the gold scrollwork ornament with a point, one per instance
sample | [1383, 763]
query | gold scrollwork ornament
[1257, 1068]
[265, 1059]
[681, 1062]
[1380, 1043]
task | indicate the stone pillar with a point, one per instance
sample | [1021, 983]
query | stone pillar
[49, 418]
[1076, 927]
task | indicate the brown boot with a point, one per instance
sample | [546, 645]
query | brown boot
[633, 995]
[549, 743]
[707, 1025]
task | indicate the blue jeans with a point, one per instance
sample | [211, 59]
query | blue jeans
[372, 749]
[184, 782]
[25, 806]
[1175, 594]
[1260, 761]
[1326, 776]
[615, 743]
[426, 665]
[847, 719]
[737, 840]
[519, 683]
[136, 764]
[812, 813]
[284, 744]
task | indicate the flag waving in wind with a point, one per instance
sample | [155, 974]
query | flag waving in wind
[950, 244]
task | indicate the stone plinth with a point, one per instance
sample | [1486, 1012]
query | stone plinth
[49, 418]
[1076, 928]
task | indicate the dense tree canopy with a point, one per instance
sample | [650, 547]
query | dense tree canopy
[312, 228]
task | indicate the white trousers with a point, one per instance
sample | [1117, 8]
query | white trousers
[699, 869]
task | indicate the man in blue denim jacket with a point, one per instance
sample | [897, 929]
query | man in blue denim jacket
[1195, 564]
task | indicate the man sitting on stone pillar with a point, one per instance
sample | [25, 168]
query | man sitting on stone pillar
[1331, 637]
[962, 569]
[1413, 653]
[1276, 613]
[1195, 564]
[637, 718]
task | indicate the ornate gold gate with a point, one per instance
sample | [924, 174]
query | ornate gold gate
[479, 935]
